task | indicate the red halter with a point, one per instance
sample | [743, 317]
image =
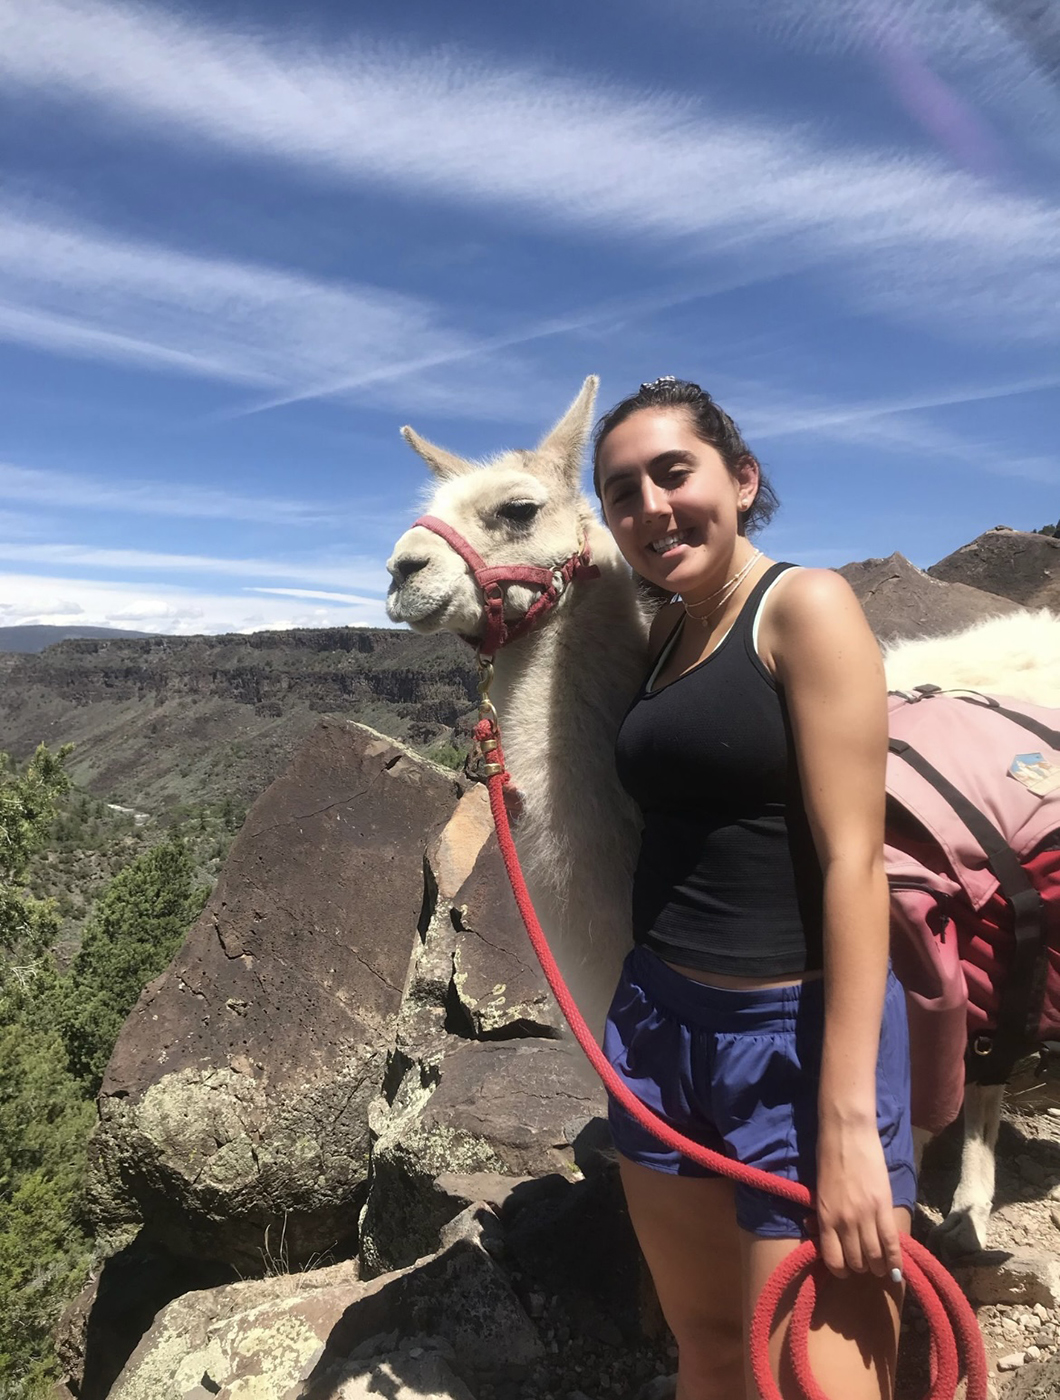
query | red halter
[493, 579]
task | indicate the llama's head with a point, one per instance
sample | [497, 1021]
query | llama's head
[522, 507]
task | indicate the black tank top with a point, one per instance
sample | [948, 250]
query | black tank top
[728, 878]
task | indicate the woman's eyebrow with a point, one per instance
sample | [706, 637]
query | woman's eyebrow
[668, 459]
[623, 474]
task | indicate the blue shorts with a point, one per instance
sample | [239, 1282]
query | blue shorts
[737, 1070]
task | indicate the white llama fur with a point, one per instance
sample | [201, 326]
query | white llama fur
[1017, 655]
[562, 691]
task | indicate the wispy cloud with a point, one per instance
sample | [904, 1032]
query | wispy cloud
[309, 593]
[902, 425]
[56, 489]
[776, 419]
[369, 574]
[918, 439]
[86, 292]
[969, 61]
[29, 598]
[567, 151]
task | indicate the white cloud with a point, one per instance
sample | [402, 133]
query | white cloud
[67, 490]
[308, 593]
[899, 425]
[994, 56]
[776, 419]
[27, 599]
[353, 573]
[84, 292]
[570, 151]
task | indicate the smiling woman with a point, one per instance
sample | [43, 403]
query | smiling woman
[756, 1013]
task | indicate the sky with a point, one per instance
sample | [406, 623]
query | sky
[242, 243]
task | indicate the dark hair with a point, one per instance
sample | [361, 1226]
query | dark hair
[710, 424]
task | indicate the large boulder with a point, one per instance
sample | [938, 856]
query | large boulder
[498, 989]
[902, 601]
[233, 1114]
[1015, 564]
[505, 1110]
[475, 974]
[326, 1333]
[260, 1337]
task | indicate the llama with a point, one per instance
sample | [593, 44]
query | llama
[562, 690]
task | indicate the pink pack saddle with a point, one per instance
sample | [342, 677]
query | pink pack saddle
[973, 860]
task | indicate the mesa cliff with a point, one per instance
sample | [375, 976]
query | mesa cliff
[160, 721]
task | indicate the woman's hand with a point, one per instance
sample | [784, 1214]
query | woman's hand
[855, 1213]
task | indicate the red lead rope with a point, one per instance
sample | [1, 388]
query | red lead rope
[956, 1342]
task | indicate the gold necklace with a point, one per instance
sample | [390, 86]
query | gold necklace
[727, 589]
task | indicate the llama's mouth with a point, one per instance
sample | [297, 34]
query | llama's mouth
[420, 615]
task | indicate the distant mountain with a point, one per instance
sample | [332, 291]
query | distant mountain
[34, 637]
[1016, 564]
[903, 601]
[163, 721]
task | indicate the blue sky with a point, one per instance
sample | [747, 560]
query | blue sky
[242, 243]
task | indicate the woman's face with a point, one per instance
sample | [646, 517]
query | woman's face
[670, 501]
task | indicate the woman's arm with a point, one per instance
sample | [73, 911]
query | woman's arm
[829, 664]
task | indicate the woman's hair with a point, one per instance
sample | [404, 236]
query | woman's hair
[710, 424]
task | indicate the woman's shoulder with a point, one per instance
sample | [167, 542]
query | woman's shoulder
[813, 596]
[813, 612]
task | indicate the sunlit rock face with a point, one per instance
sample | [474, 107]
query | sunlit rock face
[1016, 564]
[233, 1116]
[903, 601]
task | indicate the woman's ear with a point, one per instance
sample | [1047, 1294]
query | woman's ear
[748, 477]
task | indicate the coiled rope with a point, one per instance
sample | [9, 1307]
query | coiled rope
[956, 1342]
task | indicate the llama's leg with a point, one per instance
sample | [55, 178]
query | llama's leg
[965, 1228]
[686, 1227]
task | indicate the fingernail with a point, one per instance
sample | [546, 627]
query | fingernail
[896, 1276]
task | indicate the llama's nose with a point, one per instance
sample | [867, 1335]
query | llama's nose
[402, 569]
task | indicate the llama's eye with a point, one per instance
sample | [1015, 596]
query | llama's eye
[519, 512]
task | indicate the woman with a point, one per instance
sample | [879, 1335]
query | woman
[757, 1013]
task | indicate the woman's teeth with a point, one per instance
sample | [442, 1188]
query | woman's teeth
[668, 542]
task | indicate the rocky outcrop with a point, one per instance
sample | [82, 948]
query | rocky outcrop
[234, 1111]
[1014, 564]
[327, 1333]
[356, 1019]
[902, 601]
[498, 986]
[509, 1111]
[526, 1302]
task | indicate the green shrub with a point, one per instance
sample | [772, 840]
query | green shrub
[135, 929]
[446, 755]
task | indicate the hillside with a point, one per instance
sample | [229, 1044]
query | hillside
[36, 636]
[161, 722]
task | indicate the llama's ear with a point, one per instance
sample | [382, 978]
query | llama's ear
[442, 463]
[565, 443]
